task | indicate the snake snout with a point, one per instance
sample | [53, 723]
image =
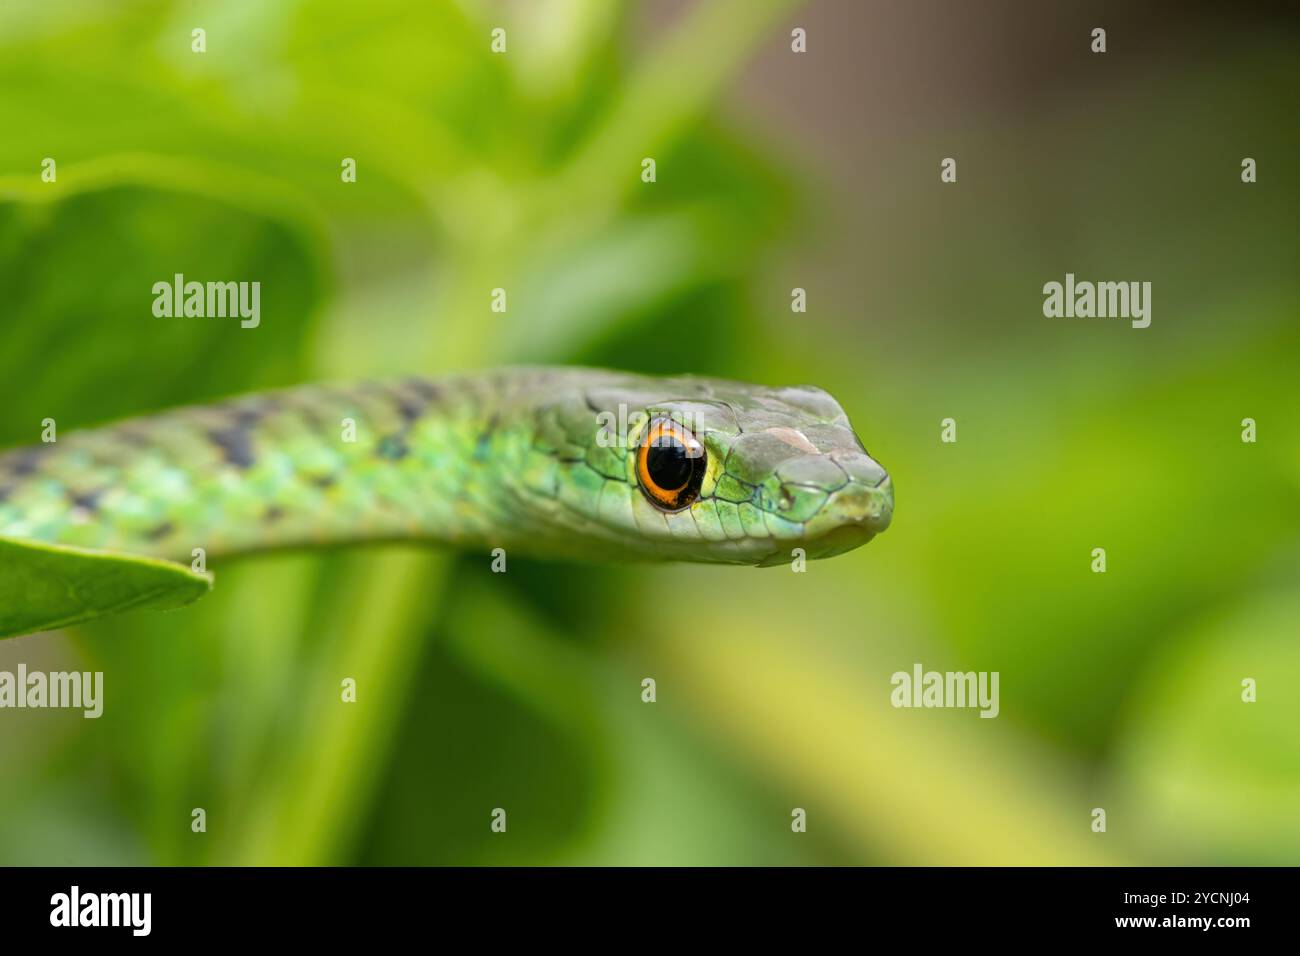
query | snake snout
[853, 514]
[864, 505]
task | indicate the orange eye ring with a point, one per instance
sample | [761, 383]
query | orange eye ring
[670, 465]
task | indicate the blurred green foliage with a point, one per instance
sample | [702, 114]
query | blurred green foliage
[477, 691]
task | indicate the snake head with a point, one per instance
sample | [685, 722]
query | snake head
[705, 470]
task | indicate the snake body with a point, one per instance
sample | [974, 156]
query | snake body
[543, 461]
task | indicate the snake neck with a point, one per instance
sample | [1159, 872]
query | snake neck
[301, 467]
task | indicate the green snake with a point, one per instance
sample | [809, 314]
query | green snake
[552, 462]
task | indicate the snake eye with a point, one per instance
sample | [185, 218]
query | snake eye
[670, 465]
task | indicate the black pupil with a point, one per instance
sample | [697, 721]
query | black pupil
[669, 465]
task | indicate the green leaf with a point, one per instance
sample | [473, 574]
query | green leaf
[44, 586]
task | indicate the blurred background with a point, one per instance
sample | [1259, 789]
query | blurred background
[775, 170]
